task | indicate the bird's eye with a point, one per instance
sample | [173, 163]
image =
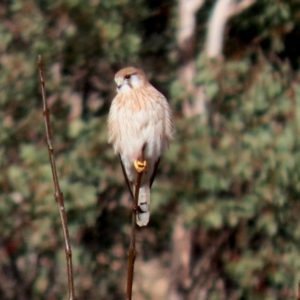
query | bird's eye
[127, 76]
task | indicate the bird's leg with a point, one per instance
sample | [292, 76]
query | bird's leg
[140, 166]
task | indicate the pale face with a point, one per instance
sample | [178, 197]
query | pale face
[129, 78]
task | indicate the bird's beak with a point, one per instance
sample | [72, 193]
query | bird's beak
[119, 82]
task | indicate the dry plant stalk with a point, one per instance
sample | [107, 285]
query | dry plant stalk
[132, 252]
[298, 297]
[58, 194]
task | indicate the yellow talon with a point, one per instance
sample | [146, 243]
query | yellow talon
[140, 166]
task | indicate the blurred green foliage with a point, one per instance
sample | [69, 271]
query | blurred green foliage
[234, 172]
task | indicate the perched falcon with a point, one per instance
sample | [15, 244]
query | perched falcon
[140, 127]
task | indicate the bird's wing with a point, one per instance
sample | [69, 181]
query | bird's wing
[154, 172]
[126, 178]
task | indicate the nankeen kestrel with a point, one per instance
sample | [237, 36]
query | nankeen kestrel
[140, 127]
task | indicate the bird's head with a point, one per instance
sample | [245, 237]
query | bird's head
[130, 78]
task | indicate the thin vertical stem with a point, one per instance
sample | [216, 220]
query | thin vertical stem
[58, 194]
[132, 252]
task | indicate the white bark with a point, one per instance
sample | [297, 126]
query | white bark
[180, 261]
[216, 28]
[187, 19]
[186, 44]
[223, 10]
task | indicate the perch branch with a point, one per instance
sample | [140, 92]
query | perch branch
[132, 252]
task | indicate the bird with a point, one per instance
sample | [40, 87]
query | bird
[140, 128]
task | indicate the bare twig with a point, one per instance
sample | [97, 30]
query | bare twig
[58, 194]
[298, 297]
[132, 252]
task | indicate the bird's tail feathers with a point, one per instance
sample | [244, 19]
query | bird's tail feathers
[143, 209]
